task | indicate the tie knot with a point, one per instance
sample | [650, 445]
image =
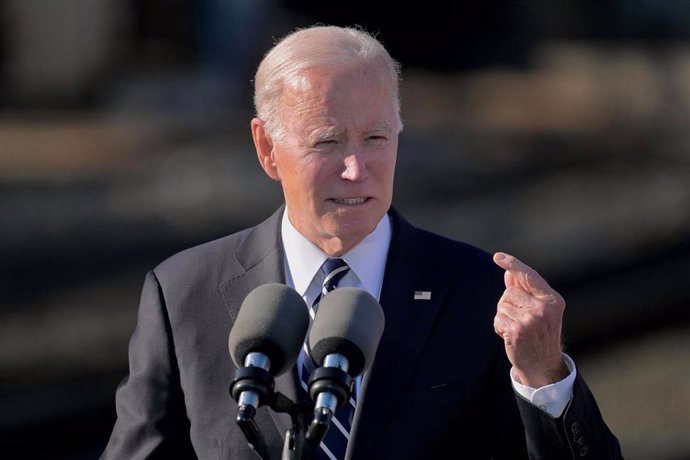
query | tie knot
[334, 269]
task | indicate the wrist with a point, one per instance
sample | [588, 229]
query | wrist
[543, 375]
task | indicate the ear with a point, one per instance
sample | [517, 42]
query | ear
[264, 149]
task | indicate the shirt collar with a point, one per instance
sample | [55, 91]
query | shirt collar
[367, 260]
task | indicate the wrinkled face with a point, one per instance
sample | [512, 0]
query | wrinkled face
[337, 159]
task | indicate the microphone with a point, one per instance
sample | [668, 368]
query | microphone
[343, 342]
[268, 333]
[264, 342]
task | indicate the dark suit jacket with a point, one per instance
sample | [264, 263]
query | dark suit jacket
[439, 386]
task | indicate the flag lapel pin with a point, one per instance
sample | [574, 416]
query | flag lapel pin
[422, 295]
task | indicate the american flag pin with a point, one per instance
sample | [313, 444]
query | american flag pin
[422, 295]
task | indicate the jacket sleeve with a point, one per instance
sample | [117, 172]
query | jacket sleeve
[579, 433]
[151, 418]
[508, 434]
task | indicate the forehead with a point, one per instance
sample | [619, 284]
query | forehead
[335, 90]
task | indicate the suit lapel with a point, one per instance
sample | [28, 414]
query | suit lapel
[261, 256]
[408, 323]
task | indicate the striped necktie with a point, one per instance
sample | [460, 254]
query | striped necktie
[334, 443]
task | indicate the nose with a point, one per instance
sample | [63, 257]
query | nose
[355, 168]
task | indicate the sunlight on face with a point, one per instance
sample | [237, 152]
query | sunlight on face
[337, 160]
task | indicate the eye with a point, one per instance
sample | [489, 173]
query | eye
[326, 143]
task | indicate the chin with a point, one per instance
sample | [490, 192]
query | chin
[354, 231]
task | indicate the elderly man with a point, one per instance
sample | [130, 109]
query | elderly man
[470, 362]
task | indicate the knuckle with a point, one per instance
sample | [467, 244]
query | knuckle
[500, 308]
[503, 300]
[530, 275]
[560, 301]
[515, 331]
[500, 322]
[529, 322]
[539, 311]
[553, 298]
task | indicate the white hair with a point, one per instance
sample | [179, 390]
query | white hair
[316, 46]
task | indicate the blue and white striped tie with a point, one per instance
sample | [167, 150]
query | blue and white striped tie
[335, 442]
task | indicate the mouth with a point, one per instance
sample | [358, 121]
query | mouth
[350, 201]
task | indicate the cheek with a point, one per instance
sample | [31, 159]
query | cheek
[318, 186]
[317, 172]
[309, 181]
[384, 165]
[290, 168]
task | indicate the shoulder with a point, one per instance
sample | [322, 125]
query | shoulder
[211, 260]
[455, 251]
[470, 271]
[443, 252]
[214, 251]
[224, 256]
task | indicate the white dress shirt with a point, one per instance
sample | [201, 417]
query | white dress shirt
[367, 262]
[303, 260]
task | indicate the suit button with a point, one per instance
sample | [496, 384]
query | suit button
[575, 427]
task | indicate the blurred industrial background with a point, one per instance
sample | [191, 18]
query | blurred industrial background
[558, 131]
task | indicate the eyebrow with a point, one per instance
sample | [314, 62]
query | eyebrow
[383, 126]
[330, 133]
[327, 133]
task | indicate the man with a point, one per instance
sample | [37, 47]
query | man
[440, 386]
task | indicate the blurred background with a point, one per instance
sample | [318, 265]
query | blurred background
[558, 131]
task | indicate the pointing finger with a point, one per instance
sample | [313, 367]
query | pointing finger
[519, 274]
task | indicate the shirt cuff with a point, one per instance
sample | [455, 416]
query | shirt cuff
[552, 398]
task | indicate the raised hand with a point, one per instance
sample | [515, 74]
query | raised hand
[529, 319]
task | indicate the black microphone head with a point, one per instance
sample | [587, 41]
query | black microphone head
[273, 320]
[349, 322]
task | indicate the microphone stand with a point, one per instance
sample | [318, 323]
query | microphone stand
[302, 443]
[260, 382]
[329, 386]
[294, 445]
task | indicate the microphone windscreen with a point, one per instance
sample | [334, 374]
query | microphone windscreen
[349, 321]
[273, 320]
